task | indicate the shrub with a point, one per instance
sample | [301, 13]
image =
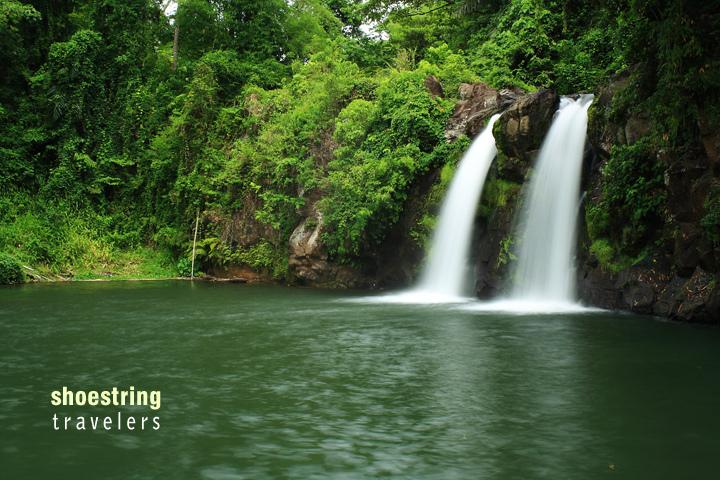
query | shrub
[10, 270]
[603, 252]
[184, 266]
[630, 211]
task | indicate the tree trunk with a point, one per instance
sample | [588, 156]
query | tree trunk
[175, 45]
[192, 265]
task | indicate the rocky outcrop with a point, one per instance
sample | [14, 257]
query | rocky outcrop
[396, 261]
[237, 274]
[492, 237]
[308, 261]
[434, 86]
[520, 131]
[477, 103]
[678, 277]
[652, 288]
[242, 229]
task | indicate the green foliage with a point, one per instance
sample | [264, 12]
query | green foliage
[450, 153]
[451, 68]
[107, 152]
[353, 123]
[497, 192]
[603, 251]
[633, 197]
[517, 53]
[368, 182]
[265, 256]
[14, 18]
[610, 259]
[365, 197]
[421, 233]
[597, 219]
[587, 61]
[506, 254]
[184, 267]
[59, 239]
[10, 270]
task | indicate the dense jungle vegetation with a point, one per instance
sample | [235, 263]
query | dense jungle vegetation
[120, 123]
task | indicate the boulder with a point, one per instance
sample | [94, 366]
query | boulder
[667, 302]
[477, 103]
[596, 287]
[678, 280]
[603, 133]
[308, 260]
[686, 255]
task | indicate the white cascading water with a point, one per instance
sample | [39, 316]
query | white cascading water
[545, 270]
[445, 270]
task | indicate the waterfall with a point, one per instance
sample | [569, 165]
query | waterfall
[446, 266]
[545, 268]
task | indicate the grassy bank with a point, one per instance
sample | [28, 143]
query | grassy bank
[45, 242]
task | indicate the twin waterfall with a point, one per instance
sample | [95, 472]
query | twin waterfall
[546, 236]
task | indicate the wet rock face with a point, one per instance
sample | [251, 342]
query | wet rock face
[520, 132]
[603, 133]
[491, 274]
[242, 228]
[524, 125]
[699, 298]
[679, 278]
[652, 288]
[710, 137]
[637, 126]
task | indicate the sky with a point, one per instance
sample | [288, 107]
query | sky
[170, 7]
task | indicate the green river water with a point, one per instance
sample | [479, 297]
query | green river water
[265, 382]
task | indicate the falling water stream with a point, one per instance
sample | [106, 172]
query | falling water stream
[547, 233]
[445, 271]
